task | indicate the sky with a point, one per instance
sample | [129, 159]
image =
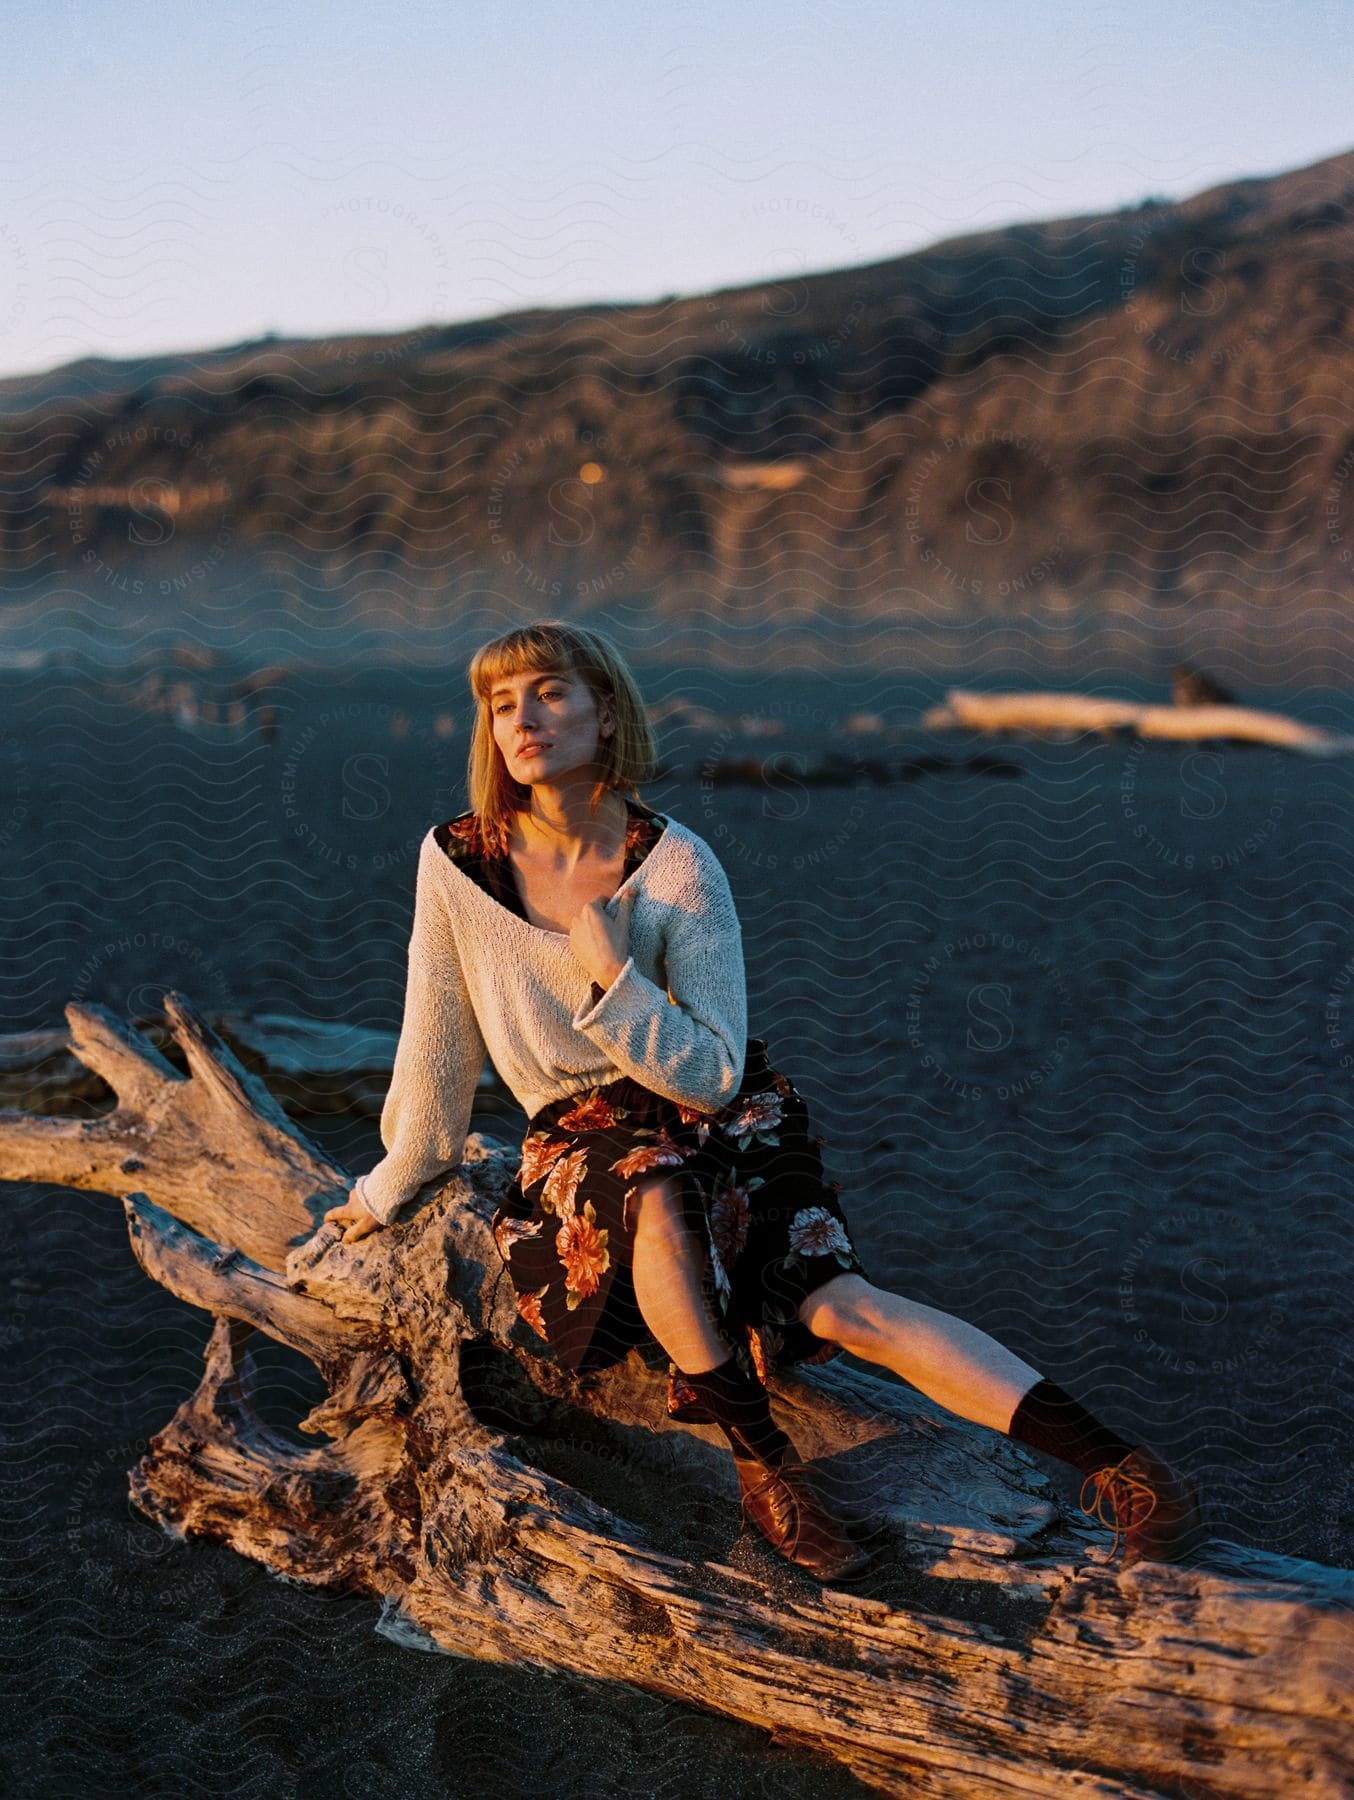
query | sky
[182, 178]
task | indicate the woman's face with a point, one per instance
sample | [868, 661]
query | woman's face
[553, 710]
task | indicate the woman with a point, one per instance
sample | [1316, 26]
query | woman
[669, 1192]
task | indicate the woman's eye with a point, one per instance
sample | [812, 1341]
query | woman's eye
[546, 694]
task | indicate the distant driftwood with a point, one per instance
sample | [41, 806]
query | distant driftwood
[312, 1065]
[1073, 715]
[1195, 687]
[996, 1653]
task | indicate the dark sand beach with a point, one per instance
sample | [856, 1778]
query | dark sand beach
[1079, 1040]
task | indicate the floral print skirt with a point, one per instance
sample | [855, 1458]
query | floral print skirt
[770, 1228]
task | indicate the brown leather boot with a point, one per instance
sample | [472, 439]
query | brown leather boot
[793, 1520]
[1152, 1509]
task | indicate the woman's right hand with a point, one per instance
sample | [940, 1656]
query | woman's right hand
[356, 1216]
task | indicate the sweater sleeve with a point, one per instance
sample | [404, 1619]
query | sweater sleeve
[690, 1043]
[437, 1061]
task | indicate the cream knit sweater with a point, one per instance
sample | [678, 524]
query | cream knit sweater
[482, 979]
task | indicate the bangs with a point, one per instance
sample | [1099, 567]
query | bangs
[535, 649]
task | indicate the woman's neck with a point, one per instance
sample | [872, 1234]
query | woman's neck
[570, 830]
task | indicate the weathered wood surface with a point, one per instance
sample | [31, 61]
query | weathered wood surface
[312, 1065]
[1067, 715]
[499, 1508]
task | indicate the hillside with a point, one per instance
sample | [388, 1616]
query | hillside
[1123, 409]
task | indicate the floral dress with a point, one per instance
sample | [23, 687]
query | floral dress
[771, 1229]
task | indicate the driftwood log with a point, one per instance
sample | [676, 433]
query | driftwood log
[1195, 687]
[1074, 715]
[310, 1065]
[498, 1508]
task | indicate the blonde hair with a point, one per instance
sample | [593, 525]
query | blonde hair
[628, 756]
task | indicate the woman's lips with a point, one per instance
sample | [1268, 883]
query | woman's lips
[531, 749]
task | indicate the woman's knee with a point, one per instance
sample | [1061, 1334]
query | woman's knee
[654, 1206]
[840, 1310]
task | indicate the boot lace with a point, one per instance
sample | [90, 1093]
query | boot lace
[770, 1475]
[1119, 1499]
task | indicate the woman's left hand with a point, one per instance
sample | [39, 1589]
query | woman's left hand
[354, 1218]
[601, 941]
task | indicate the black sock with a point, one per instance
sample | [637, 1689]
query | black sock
[1051, 1420]
[739, 1405]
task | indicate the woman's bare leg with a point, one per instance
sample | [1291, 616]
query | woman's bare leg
[666, 1266]
[950, 1360]
[978, 1378]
